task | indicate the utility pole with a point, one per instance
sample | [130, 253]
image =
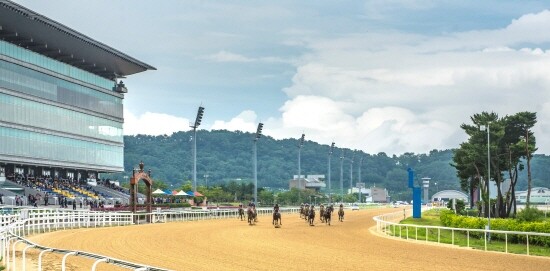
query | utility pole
[329, 171]
[195, 125]
[255, 161]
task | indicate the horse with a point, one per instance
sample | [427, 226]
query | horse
[241, 213]
[251, 216]
[277, 219]
[304, 212]
[301, 210]
[322, 213]
[327, 214]
[311, 216]
[341, 215]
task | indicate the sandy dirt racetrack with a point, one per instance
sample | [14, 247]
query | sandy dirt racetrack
[231, 244]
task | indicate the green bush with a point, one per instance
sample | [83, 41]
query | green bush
[449, 219]
[530, 214]
[460, 206]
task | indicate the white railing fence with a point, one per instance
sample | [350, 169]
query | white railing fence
[14, 228]
[509, 241]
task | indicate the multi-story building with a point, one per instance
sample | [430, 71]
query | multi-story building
[61, 100]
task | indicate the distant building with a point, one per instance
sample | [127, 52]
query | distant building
[380, 194]
[313, 182]
[364, 191]
[447, 195]
[61, 104]
[539, 195]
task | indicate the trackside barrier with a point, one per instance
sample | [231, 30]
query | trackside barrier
[15, 227]
[389, 225]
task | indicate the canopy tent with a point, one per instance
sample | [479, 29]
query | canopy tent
[182, 193]
[168, 192]
[158, 191]
[195, 194]
[174, 192]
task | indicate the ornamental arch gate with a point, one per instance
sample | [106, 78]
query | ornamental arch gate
[137, 175]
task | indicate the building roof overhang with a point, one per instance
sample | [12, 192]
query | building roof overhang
[28, 29]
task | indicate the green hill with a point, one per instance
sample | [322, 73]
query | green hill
[225, 156]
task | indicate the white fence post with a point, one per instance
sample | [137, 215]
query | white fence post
[14, 259]
[97, 262]
[40, 258]
[65, 259]
[24, 251]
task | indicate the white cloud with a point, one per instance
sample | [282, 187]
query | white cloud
[224, 56]
[245, 121]
[397, 92]
[153, 123]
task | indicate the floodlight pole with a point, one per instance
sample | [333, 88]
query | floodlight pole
[329, 171]
[195, 125]
[255, 161]
[300, 145]
[351, 173]
[359, 177]
[342, 177]
[488, 129]
[489, 175]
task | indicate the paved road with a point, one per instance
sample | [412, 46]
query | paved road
[234, 245]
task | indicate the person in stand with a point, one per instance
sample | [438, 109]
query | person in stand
[1, 198]
[74, 204]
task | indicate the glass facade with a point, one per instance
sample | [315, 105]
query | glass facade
[39, 60]
[31, 82]
[30, 113]
[54, 148]
[85, 132]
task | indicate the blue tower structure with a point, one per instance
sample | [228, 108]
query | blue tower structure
[417, 192]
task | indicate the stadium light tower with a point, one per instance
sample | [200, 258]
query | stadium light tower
[488, 129]
[300, 145]
[258, 135]
[195, 125]
[359, 177]
[351, 172]
[342, 176]
[329, 181]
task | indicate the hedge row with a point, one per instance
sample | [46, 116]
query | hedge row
[450, 219]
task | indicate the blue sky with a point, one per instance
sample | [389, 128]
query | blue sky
[391, 76]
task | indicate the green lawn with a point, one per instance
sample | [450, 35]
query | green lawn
[460, 237]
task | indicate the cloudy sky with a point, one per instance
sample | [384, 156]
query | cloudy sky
[381, 75]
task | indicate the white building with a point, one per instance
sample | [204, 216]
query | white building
[447, 195]
[539, 195]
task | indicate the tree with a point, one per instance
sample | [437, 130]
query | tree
[525, 122]
[507, 136]
[266, 197]
[187, 186]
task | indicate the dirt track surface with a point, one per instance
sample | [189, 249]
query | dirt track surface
[232, 244]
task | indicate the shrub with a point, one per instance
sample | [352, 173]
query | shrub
[460, 206]
[449, 219]
[530, 214]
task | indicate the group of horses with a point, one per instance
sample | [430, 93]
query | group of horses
[252, 215]
[307, 212]
[325, 214]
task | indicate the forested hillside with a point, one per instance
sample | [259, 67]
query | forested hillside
[225, 156]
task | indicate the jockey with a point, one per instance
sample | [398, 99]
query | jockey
[276, 208]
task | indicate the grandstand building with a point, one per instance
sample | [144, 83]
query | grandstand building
[61, 100]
